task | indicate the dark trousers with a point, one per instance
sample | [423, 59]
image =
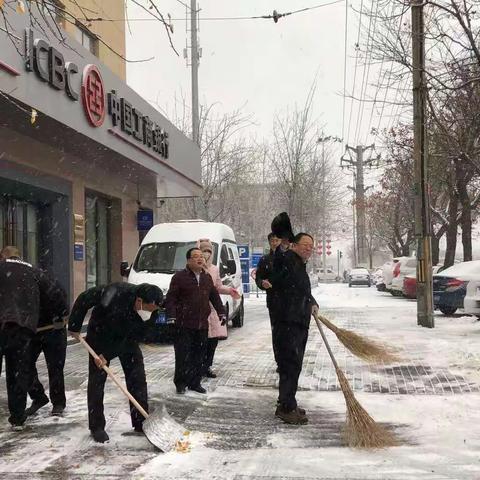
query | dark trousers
[53, 344]
[210, 349]
[134, 370]
[190, 346]
[273, 325]
[15, 342]
[291, 340]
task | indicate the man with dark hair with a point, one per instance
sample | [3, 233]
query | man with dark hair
[291, 308]
[23, 289]
[114, 330]
[51, 339]
[188, 305]
[262, 276]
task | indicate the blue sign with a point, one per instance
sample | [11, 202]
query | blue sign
[245, 265]
[144, 220]
[78, 252]
[255, 259]
[243, 252]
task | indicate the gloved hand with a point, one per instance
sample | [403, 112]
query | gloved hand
[223, 320]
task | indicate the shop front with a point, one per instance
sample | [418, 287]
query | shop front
[83, 159]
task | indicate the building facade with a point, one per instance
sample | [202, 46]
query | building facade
[84, 160]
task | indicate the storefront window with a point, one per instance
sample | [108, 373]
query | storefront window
[19, 227]
[97, 241]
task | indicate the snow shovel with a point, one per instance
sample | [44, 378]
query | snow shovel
[161, 430]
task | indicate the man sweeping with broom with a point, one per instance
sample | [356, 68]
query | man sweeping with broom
[292, 305]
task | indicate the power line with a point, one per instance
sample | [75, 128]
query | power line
[275, 16]
[345, 73]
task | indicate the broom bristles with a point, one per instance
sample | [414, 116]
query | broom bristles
[362, 347]
[361, 430]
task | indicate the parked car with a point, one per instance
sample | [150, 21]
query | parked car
[403, 267]
[387, 271]
[377, 276]
[359, 276]
[409, 289]
[410, 283]
[471, 302]
[329, 276]
[163, 250]
[450, 286]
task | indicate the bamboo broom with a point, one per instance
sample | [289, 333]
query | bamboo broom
[361, 430]
[361, 347]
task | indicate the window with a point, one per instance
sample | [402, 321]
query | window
[97, 240]
[86, 38]
[53, 9]
[19, 222]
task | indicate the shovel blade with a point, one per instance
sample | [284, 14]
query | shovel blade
[162, 430]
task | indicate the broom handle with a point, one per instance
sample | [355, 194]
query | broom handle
[322, 333]
[122, 387]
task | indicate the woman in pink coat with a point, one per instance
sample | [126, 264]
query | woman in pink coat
[216, 331]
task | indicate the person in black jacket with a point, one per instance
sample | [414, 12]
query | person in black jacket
[291, 307]
[21, 286]
[262, 279]
[114, 330]
[51, 339]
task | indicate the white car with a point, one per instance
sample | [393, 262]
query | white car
[403, 267]
[471, 302]
[359, 276]
[328, 276]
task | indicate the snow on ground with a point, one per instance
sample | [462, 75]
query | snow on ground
[234, 433]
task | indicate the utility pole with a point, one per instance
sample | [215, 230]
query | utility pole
[422, 203]
[194, 61]
[358, 166]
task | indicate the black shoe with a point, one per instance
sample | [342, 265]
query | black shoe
[198, 389]
[181, 390]
[138, 429]
[210, 374]
[100, 436]
[57, 410]
[35, 406]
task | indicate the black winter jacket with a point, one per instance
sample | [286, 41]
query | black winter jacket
[114, 326]
[292, 298]
[53, 305]
[21, 289]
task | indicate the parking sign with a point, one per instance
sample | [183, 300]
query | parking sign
[243, 252]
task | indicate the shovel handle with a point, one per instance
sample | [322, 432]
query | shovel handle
[109, 372]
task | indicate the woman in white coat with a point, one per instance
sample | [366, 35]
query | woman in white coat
[216, 331]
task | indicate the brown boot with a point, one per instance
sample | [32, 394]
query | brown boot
[293, 417]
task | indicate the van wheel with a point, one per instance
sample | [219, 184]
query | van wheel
[237, 321]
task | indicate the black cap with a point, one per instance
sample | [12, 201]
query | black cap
[281, 226]
[149, 293]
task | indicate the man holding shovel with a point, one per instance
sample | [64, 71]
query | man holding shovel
[114, 330]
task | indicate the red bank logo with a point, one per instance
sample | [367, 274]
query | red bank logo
[93, 95]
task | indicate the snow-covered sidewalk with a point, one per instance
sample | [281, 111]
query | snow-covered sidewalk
[430, 399]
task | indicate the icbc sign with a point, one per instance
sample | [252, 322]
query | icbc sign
[50, 66]
[93, 95]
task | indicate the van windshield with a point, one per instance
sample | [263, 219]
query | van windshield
[168, 257]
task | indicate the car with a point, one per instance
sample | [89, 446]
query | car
[377, 276]
[359, 276]
[471, 302]
[162, 253]
[409, 289]
[404, 266]
[328, 276]
[450, 286]
[387, 273]
[410, 283]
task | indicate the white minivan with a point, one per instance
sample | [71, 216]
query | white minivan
[163, 252]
